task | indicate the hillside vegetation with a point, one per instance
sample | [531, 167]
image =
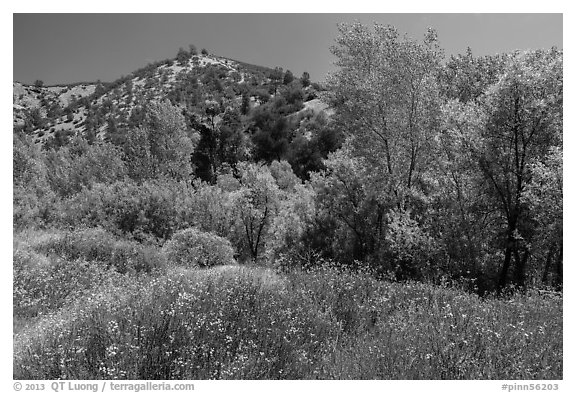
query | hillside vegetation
[203, 218]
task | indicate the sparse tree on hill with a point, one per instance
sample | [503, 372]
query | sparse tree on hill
[288, 77]
[305, 79]
[276, 77]
[182, 57]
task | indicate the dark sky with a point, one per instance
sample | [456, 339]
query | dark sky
[64, 48]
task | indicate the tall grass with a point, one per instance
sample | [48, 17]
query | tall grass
[52, 268]
[250, 323]
[181, 326]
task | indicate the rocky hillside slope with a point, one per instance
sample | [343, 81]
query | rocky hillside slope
[191, 81]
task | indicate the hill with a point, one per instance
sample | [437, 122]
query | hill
[266, 114]
[191, 83]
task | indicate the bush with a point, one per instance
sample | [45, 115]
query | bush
[97, 245]
[193, 248]
[91, 244]
[34, 203]
[80, 165]
[150, 211]
[154, 210]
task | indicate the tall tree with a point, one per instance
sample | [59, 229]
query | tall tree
[524, 120]
[544, 199]
[257, 205]
[386, 96]
[170, 145]
[387, 102]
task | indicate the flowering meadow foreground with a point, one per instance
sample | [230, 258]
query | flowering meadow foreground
[90, 307]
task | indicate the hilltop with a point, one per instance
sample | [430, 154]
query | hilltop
[266, 113]
[191, 83]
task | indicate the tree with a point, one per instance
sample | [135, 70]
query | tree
[314, 140]
[466, 77]
[523, 122]
[305, 79]
[139, 161]
[182, 57]
[38, 83]
[460, 205]
[543, 198]
[204, 52]
[346, 206]
[276, 78]
[296, 208]
[386, 95]
[245, 108]
[34, 120]
[170, 145]
[99, 90]
[270, 137]
[257, 205]
[387, 103]
[288, 77]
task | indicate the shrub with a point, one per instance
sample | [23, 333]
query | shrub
[147, 212]
[98, 245]
[193, 248]
[34, 203]
[81, 165]
[92, 244]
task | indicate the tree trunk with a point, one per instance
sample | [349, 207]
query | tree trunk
[506, 266]
[549, 256]
[559, 268]
[520, 268]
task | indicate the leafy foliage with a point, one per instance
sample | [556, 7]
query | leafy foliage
[193, 248]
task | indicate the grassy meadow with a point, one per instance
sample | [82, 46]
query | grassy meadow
[90, 306]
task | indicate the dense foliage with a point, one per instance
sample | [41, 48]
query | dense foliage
[411, 230]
